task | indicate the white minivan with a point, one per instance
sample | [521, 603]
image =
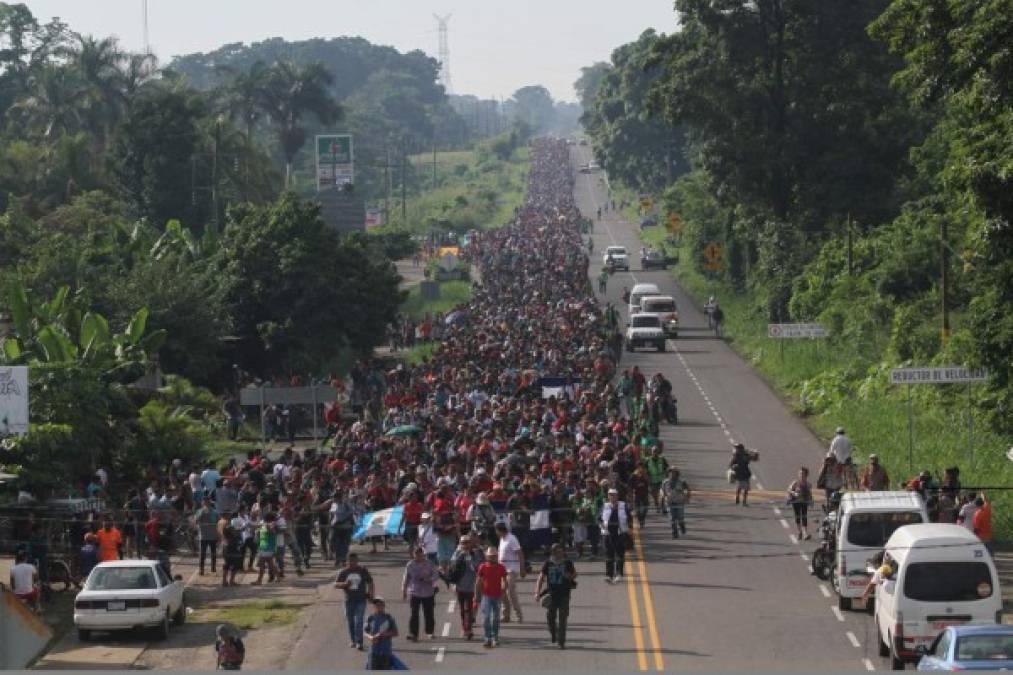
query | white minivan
[865, 521]
[639, 292]
[664, 307]
[943, 576]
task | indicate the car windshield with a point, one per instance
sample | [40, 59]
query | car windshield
[121, 579]
[659, 306]
[615, 250]
[985, 648]
[645, 322]
[872, 530]
[948, 581]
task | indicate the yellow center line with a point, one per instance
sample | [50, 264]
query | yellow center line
[652, 626]
[638, 635]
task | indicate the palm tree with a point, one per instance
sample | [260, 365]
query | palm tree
[242, 97]
[98, 64]
[136, 71]
[290, 93]
[56, 104]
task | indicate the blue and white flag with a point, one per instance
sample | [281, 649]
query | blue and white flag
[380, 523]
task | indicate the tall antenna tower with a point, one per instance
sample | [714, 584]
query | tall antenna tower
[441, 22]
[144, 15]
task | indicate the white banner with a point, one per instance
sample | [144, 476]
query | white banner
[941, 375]
[791, 331]
[14, 400]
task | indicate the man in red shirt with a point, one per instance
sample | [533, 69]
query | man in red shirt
[982, 521]
[109, 542]
[489, 588]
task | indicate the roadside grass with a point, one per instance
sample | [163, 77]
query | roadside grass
[252, 615]
[849, 388]
[471, 192]
[452, 293]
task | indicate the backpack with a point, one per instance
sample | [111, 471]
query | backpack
[458, 570]
[231, 653]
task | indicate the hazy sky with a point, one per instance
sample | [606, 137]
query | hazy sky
[495, 46]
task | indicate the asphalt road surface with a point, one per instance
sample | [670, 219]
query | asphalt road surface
[735, 593]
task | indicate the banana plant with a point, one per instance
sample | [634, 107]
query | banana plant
[55, 332]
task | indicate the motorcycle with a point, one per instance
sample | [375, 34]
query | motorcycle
[824, 557]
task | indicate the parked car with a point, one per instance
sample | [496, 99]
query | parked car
[942, 577]
[620, 258]
[648, 221]
[652, 258]
[970, 648]
[645, 330]
[127, 595]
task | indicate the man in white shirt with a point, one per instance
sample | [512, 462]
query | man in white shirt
[841, 446]
[511, 556]
[25, 580]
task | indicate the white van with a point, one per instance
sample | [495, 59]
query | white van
[639, 292]
[664, 307]
[865, 521]
[943, 577]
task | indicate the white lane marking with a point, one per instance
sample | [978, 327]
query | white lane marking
[777, 511]
[868, 665]
[793, 538]
[759, 486]
[440, 652]
[825, 591]
[728, 433]
[811, 570]
[837, 612]
[450, 607]
[804, 557]
[446, 629]
[853, 640]
[784, 524]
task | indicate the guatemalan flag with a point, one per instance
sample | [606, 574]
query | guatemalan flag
[380, 523]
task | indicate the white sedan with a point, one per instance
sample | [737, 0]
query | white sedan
[129, 594]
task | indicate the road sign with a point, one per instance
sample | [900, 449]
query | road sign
[646, 203]
[794, 331]
[13, 400]
[674, 223]
[712, 253]
[335, 161]
[374, 217]
[941, 375]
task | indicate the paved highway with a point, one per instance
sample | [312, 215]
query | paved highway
[736, 593]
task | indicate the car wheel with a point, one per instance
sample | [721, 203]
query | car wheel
[179, 618]
[843, 603]
[83, 634]
[162, 631]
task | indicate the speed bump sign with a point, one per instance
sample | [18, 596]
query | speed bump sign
[713, 253]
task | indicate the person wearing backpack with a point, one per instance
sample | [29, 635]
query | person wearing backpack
[657, 468]
[463, 571]
[229, 648]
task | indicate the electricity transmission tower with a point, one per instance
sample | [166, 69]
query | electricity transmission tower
[441, 21]
[144, 19]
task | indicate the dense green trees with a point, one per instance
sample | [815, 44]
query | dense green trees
[843, 154]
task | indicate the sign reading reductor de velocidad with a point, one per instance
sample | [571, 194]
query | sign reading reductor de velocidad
[941, 375]
[793, 331]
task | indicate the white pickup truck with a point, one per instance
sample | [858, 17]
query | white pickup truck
[618, 256]
[644, 330]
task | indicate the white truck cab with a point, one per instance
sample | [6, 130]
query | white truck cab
[645, 330]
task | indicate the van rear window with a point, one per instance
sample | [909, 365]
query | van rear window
[948, 581]
[663, 306]
[872, 530]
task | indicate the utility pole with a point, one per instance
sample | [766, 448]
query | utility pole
[434, 161]
[851, 251]
[214, 170]
[404, 183]
[144, 18]
[386, 183]
[944, 251]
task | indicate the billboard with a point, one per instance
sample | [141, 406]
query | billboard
[13, 400]
[335, 161]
